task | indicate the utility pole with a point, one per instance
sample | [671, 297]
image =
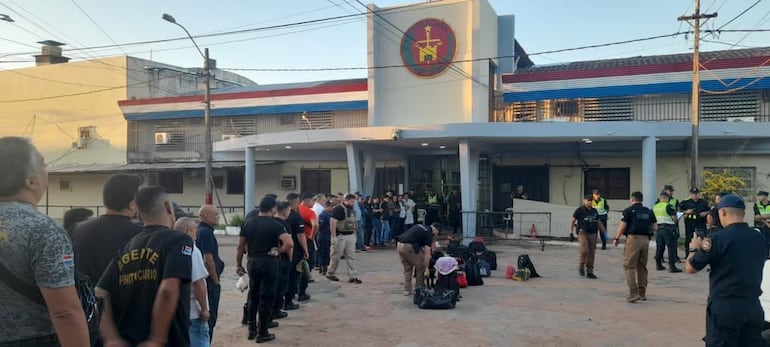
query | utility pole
[695, 103]
[207, 129]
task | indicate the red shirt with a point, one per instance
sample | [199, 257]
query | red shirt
[308, 215]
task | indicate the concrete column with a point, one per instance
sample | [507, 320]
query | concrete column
[249, 178]
[649, 170]
[469, 176]
[369, 173]
[354, 168]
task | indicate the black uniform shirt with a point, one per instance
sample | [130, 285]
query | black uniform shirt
[638, 219]
[262, 234]
[96, 241]
[699, 206]
[737, 255]
[418, 235]
[297, 227]
[587, 219]
[133, 278]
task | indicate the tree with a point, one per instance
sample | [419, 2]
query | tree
[715, 182]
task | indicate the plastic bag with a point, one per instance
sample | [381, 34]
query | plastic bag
[243, 283]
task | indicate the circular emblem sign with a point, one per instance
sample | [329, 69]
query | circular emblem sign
[428, 47]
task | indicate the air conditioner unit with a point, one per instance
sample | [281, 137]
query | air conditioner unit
[740, 119]
[229, 137]
[161, 138]
[288, 182]
[80, 143]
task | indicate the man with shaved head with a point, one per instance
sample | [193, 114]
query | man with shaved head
[207, 243]
[199, 307]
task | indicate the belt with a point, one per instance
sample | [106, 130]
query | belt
[346, 232]
[638, 234]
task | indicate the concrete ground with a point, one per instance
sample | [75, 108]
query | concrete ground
[560, 309]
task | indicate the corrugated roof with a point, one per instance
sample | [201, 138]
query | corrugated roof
[149, 167]
[646, 60]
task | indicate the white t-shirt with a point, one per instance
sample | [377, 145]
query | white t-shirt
[409, 207]
[318, 209]
[198, 273]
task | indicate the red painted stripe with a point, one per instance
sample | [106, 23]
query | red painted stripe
[632, 70]
[329, 89]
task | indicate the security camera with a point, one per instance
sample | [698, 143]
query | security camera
[396, 134]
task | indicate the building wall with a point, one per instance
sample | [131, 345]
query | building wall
[405, 99]
[485, 37]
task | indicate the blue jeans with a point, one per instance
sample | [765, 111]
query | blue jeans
[385, 233]
[377, 232]
[360, 236]
[199, 333]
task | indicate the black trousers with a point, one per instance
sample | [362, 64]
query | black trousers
[214, 292]
[263, 275]
[689, 231]
[282, 284]
[734, 323]
[293, 280]
[666, 237]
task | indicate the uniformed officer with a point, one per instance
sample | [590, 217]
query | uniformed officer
[713, 223]
[669, 189]
[762, 215]
[265, 238]
[587, 220]
[414, 253]
[666, 236]
[695, 211]
[638, 224]
[737, 256]
[599, 203]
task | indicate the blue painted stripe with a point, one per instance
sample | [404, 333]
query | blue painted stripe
[252, 111]
[631, 90]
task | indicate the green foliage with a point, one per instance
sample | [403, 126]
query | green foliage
[719, 181]
[236, 220]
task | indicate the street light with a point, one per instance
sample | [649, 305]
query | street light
[206, 111]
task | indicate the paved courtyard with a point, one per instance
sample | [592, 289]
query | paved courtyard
[560, 309]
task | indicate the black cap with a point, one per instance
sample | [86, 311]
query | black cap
[267, 203]
[762, 192]
[731, 201]
[588, 197]
[668, 187]
[723, 194]
[694, 191]
[597, 191]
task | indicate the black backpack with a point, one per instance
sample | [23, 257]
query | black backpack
[477, 246]
[491, 258]
[432, 300]
[641, 221]
[472, 271]
[524, 262]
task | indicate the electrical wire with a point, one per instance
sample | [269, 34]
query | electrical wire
[78, 94]
[95, 24]
[739, 15]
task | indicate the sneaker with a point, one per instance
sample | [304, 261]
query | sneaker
[303, 297]
[280, 315]
[354, 280]
[582, 272]
[265, 338]
[290, 306]
[333, 278]
[407, 293]
[591, 276]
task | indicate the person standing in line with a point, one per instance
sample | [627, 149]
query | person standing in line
[414, 251]
[146, 287]
[587, 220]
[283, 209]
[377, 221]
[359, 210]
[638, 224]
[343, 239]
[409, 206]
[737, 255]
[319, 204]
[695, 211]
[666, 236]
[264, 239]
[762, 215]
[36, 257]
[74, 216]
[199, 302]
[300, 249]
[669, 189]
[401, 218]
[324, 238]
[310, 222]
[387, 208]
[209, 247]
[601, 206]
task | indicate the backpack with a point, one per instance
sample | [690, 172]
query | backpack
[525, 262]
[443, 300]
[477, 245]
[641, 221]
[522, 275]
[491, 258]
[484, 269]
[473, 272]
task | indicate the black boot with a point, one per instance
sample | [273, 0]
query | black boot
[659, 264]
[674, 269]
[245, 319]
[604, 243]
[264, 322]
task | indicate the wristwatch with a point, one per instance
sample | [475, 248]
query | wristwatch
[692, 250]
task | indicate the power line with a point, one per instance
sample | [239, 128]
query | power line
[79, 94]
[96, 24]
[739, 14]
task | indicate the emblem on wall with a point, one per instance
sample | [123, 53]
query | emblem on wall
[428, 47]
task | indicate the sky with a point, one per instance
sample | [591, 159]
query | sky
[541, 25]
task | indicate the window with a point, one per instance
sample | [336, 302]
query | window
[566, 108]
[614, 183]
[173, 182]
[746, 174]
[235, 182]
[87, 133]
[288, 119]
[219, 182]
[65, 185]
